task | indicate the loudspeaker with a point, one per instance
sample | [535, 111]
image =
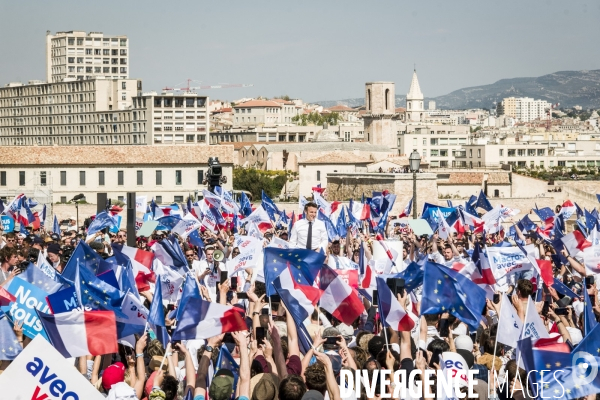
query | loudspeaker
[101, 199]
[218, 255]
[131, 219]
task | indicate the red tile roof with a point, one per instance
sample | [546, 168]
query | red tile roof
[257, 103]
[340, 108]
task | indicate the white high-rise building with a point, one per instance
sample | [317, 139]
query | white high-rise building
[76, 55]
[524, 109]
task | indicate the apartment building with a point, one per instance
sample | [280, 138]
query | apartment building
[76, 55]
[437, 144]
[88, 112]
[264, 113]
[524, 109]
[583, 151]
[171, 119]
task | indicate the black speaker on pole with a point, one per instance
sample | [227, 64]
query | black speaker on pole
[131, 219]
[101, 199]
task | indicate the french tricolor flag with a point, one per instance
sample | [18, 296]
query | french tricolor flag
[360, 211]
[338, 297]
[568, 209]
[407, 209]
[391, 312]
[575, 242]
[383, 244]
[260, 217]
[203, 319]
[141, 262]
[80, 333]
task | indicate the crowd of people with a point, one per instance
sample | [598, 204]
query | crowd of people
[267, 360]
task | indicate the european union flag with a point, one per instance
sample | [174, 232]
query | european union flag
[156, 315]
[412, 275]
[563, 289]
[123, 269]
[245, 206]
[307, 262]
[590, 221]
[483, 202]
[291, 224]
[543, 213]
[169, 221]
[470, 209]
[102, 220]
[9, 345]
[195, 239]
[269, 206]
[96, 293]
[341, 225]
[86, 257]
[446, 290]
[332, 233]
[38, 278]
[56, 226]
[226, 361]
[382, 222]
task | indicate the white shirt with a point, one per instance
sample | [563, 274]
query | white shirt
[300, 234]
[339, 262]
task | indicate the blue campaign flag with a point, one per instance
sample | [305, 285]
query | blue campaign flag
[578, 210]
[351, 218]
[115, 228]
[342, 226]
[269, 206]
[446, 290]
[582, 227]
[189, 204]
[96, 293]
[332, 233]
[56, 226]
[156, 315]
[195, 239]
[86, 257]
[102, 220]
[171, 247]
[382, 222]
[226, 361]
[8, 223]
[245, 206]
[291, 224]
[589, 319]
[449, 202]
[23, 229]
[412, 275]
[483, 202]
[388, 201]
[598, 197]
[10, 347]
[283, 218]
[431, 216]
[470, 209]
[307, 262]
[28, 299]
[1, 206]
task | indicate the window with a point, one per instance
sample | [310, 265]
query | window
[43, 178]
[178, 199]
[2, 178]
[531, 152]
[512, 152]
[124, 85]
[434, 152]
[120, 178]
[100, 178]
[478, 153]
[521, 152]
[470, 152]
[81, 178]
[541, 152]
[318, 175]
[21, 178]
[178, 177]
[63, 199]
[200, 176]
[443, 153]
[63, 178]
[140, 177]
[501, 152]
[158, 177]
[433, 142]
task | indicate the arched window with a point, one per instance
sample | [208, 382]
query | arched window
[387, 98]
[368, 99]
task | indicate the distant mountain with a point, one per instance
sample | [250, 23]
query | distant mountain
[569, 88]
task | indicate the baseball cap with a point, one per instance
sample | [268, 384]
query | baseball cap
[463, 342]
[312, 395]
[54, 248]
[55, 237]
[115, 373]
[221, 387]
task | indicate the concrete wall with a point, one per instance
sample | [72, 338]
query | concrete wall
[308, 175]
[342, 187]
[463, 191]
[524, 186]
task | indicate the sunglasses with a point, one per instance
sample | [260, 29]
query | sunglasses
[121, 236]
[189, 255]
[10, 240]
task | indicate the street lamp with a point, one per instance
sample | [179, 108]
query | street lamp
[75, 200]
[414, 162]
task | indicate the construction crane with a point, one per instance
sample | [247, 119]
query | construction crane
[205, 87]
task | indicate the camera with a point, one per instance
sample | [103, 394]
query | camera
[214, 175]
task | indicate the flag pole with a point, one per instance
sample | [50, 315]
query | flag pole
[165, 356]
[496, 343]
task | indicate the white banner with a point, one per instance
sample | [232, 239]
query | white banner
[508, 260]
[41, 372]
[141, 204]
[591, 260]
[242, 261]
[187, 224]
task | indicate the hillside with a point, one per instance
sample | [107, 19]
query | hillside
[569, 88]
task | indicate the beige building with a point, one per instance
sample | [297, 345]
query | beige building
[75, 55]
[438, 145]
[171, 119]
[415, 109]
[167, 173]
[88, 112]
[313, 171]
[264, 113]
[524, 109]
[380, 114]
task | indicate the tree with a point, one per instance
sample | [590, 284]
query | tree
[256, 180]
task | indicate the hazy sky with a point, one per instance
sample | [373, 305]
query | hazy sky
[316, 50]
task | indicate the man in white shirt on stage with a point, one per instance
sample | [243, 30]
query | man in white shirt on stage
[309, 233]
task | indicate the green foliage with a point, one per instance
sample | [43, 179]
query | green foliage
[317, 119]
[255, 180]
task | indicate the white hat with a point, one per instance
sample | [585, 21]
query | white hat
[575, 334]
[578, 307]
[345, 330]
[463, 342]
[460, 330]
[72, 218]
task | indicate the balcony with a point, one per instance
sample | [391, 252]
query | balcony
[459, 154]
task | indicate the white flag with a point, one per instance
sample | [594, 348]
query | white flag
[170, 280]
[141, 204]
[534, 326]
[444, 229]
[187, 224]
[509, 325]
